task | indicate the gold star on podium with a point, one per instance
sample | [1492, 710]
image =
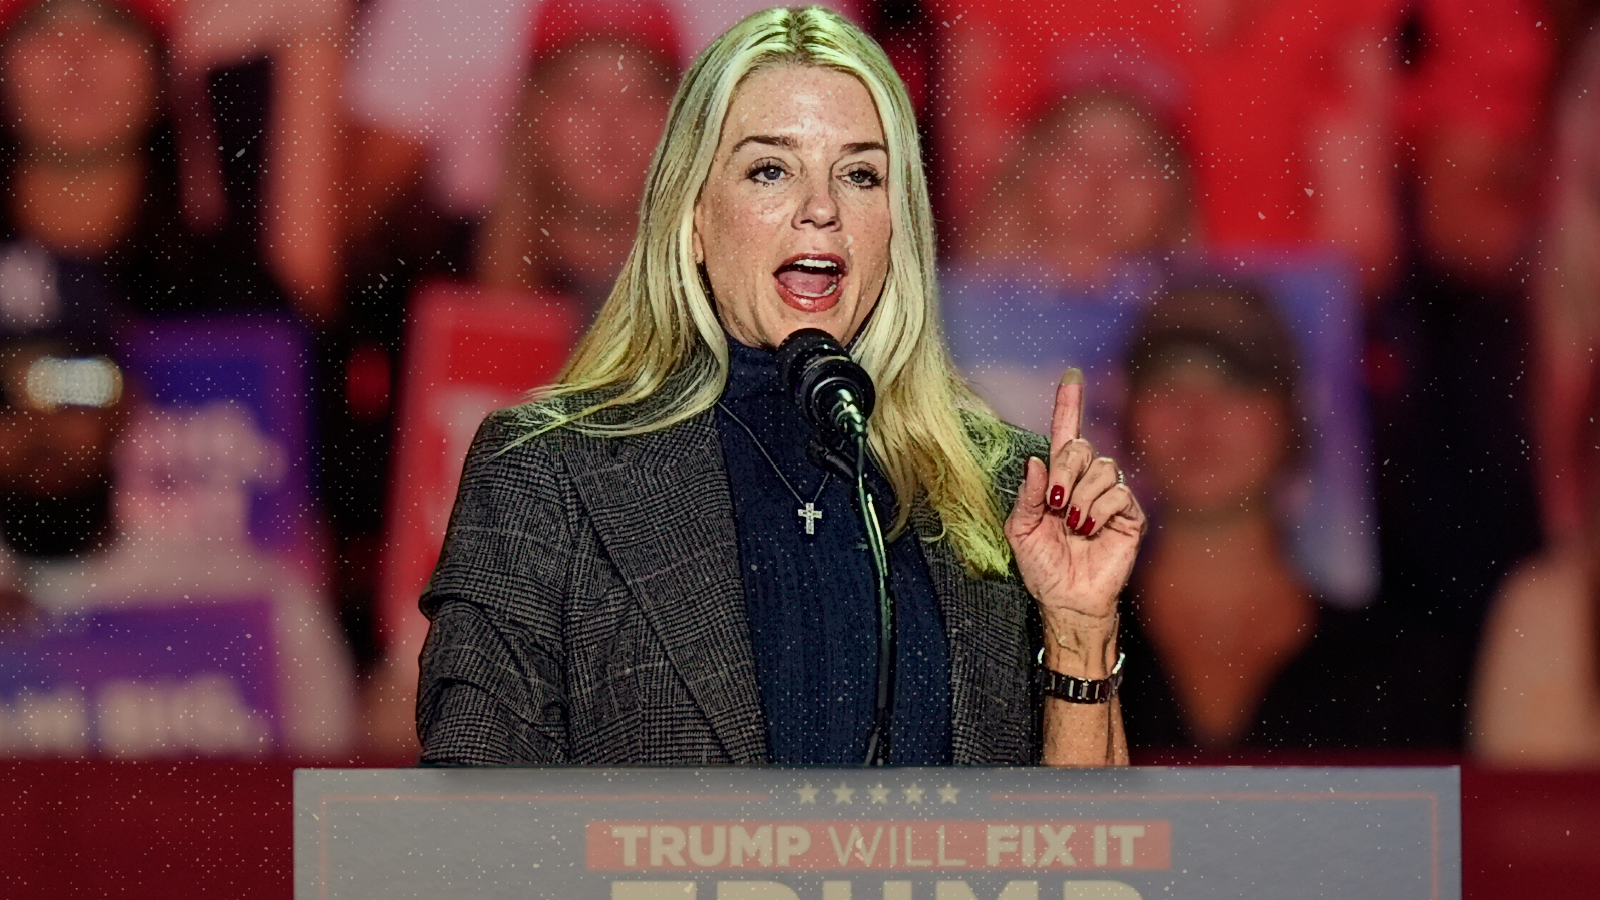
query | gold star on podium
[842, 794]
[947, 794]
[913, 794]
[879, 794]
[808, 794]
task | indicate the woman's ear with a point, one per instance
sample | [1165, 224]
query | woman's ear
[699, 248]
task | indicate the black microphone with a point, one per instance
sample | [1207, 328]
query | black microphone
[833, 391]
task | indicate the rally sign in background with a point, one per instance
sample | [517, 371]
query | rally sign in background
[878, 834]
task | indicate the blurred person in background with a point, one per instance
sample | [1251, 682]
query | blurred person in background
[81, 241]
[92, 167]
[1097, 176]
[1448, 357]
[255, 92]
[1085, 220]
[1285, 106]
[1536, 698]
[94, 232]
[592, 108]
[90, 220]
[81, 92]
[1241, 651]
[1566, 295]
[1536, 692]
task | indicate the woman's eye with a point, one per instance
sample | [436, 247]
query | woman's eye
[767, 173]
[863, 178]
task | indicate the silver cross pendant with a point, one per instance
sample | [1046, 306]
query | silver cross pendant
[811, 514]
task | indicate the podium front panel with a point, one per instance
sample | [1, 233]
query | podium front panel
[878, 834]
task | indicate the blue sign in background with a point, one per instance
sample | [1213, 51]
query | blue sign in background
[196, 676]
[259, 363]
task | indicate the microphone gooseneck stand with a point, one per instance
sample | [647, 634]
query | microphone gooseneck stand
[837, 397]
[878, 746]
[849, 420]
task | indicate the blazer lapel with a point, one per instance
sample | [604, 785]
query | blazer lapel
[993, 714]
[663, 509]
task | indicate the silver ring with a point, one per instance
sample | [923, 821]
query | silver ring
[1119, 476]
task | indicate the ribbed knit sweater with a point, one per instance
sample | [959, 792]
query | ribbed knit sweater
[811, 600]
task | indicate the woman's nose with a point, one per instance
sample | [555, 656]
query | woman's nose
[818, 209]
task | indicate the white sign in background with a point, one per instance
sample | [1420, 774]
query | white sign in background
[878, 834]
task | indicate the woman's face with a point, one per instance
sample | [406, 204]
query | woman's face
[1208, 444]
[78, 84]
[793, 223]
[606, 104]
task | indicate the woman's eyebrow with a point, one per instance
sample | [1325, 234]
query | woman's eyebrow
[789, 143]
[771, 140]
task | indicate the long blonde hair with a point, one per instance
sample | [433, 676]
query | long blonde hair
[657, 355]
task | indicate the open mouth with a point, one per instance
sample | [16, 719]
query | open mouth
[810, 282]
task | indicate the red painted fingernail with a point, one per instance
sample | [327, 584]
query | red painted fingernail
[1058, 496]
[1072, 518]
[1088, 526]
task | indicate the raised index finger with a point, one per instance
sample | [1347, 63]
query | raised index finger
[1067, 420]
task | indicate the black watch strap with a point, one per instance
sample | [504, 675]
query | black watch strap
[1079, 690]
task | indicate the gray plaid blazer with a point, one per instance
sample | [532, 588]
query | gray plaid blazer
[588, 608]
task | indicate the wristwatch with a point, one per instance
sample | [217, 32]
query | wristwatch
[1079, 690]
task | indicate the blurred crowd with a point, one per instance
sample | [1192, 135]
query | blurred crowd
[1332, 268]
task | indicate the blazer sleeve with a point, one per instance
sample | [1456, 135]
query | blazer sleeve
[492, 688]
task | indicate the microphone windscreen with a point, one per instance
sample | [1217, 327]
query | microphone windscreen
[813, 367]
[801, 348]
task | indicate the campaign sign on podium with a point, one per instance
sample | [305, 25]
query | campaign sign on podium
[878, 834]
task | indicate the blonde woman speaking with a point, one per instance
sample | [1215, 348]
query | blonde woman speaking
[664, 559]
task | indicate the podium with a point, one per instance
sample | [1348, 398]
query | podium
[878, 834]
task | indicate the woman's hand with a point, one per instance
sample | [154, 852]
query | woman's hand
[1075, 531]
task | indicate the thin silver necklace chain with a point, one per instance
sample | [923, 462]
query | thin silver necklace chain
[808, 510]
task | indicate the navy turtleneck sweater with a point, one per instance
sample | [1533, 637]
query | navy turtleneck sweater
[811, 598]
